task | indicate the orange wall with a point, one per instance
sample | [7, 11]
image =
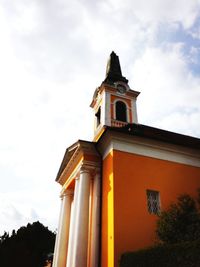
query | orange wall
[107, 230]
[133, 175]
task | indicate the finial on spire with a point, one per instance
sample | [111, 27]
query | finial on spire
[113, 70]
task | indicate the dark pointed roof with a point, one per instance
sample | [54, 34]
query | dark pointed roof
[113, 70]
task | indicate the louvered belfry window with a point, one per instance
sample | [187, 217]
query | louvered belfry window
[153, 201]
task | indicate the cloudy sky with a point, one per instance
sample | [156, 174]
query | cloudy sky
[53, 55]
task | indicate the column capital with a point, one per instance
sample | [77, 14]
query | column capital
[76, 177]
[85, 168]
[68, 192]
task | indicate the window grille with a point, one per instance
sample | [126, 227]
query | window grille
[153, 202]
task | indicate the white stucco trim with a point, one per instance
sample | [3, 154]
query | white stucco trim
[153, 149]
[107, 109]
[127, 108]
[134, 111]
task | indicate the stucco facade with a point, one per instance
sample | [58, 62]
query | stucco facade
[114, 187]
[132, 166]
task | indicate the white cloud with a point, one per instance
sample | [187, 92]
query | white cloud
[157, 11]
[186, 123]
[53, 56]
[169, 90]
[24, 206]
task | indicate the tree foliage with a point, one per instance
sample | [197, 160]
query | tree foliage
[184, 254]
[26, 247]
[181, 222]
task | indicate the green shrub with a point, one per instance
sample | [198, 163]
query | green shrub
[181, 222]
[185, 254]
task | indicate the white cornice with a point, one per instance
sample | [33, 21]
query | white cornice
[150, 148]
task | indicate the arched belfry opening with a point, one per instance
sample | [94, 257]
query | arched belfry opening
[98, 117]
[121, 111]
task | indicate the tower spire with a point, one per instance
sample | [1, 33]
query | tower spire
[113, 70]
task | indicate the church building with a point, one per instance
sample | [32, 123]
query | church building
[113, 188]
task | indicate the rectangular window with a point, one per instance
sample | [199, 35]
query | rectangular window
[153, 201]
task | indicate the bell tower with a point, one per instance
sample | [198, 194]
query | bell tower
[114, 103]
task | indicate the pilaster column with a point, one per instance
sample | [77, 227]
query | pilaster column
[82, 219]
[63, 231]
[134, 112]
[73, 222]
[95, 226]
[57, 235]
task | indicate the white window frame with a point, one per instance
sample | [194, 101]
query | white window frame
[127, 108]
